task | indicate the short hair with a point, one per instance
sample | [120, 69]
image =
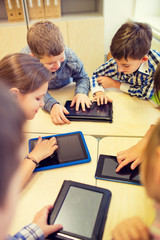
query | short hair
[23, 72]
[11, 124]
[156, 78]
[132, 40]
[45, 39]
[149, 155]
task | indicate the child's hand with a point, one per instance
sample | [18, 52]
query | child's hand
[131, 154]
[131, 229]
[41, 220]
[108, 82]
[81, 99]
[57, 114]
[101, 98]
[43, 149]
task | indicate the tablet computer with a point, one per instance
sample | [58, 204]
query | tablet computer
[95, 113]
[106, 170]
[72, 149]
[82, 210]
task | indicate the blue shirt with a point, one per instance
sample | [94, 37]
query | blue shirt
[139, 83]
[29, 232]
[70, 70]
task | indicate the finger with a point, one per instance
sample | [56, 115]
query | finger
[135, 163]
[53, 229]
[106, 100]
[39, 140]
[120, 158]
[88, 103]
[72, 103]
[121, 165]
[102, 98]
[64, 119]
[77, 105]
[83, 106]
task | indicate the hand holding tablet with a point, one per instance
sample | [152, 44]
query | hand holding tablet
[82, 211]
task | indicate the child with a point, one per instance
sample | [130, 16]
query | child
[134, 228]
[133, 64]
[12, 119]
[133, 154]
[27, 80]
[45, 42]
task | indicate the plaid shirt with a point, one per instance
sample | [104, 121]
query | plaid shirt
[29, 232]
[139, 83]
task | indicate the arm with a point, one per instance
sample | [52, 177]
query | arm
[143, 91]
[133, 154]
[42, 150]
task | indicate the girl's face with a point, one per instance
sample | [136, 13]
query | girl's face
[31, 102]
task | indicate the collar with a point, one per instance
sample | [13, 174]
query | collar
[144, 68]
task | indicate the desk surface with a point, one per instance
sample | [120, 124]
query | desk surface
[43, 187]
[131, 116]
[127, 200]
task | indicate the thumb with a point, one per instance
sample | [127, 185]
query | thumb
[65, 110]
[52, 229]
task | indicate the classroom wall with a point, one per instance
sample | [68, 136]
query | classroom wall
[116, 12]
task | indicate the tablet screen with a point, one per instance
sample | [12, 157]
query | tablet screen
[71, 148]
[103, 111]
[107, 166]
[78, 212]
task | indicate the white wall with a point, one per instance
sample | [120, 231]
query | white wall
[145, 8]
[116, 12]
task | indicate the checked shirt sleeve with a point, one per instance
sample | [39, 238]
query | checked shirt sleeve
[29, 232]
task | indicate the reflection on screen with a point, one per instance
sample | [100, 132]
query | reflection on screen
[109, 166]
[79, 211]
[69, 148]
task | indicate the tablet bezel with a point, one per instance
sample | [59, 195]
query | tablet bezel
[101, 216]
[65, 164]
[99, 175]
[89, 117]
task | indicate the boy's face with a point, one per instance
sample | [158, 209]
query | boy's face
[130, 65]
[53, 63]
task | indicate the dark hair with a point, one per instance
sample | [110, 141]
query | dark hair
[132, 40]
[45, 39]
[23, 72]
[157, 82]
[11, 123]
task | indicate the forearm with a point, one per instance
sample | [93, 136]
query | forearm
[26, 169]
[82, 86]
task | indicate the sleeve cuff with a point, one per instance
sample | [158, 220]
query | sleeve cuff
[97, 89]
[124, 87]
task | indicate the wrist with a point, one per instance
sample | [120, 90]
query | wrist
[34, 160]
[117, 84]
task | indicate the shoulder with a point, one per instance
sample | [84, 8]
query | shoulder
[26, 50]
[70, 55]
[153, 59]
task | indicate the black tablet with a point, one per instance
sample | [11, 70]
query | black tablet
[72, 149]
[106, 170]
[95, 113]
[82, 210]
